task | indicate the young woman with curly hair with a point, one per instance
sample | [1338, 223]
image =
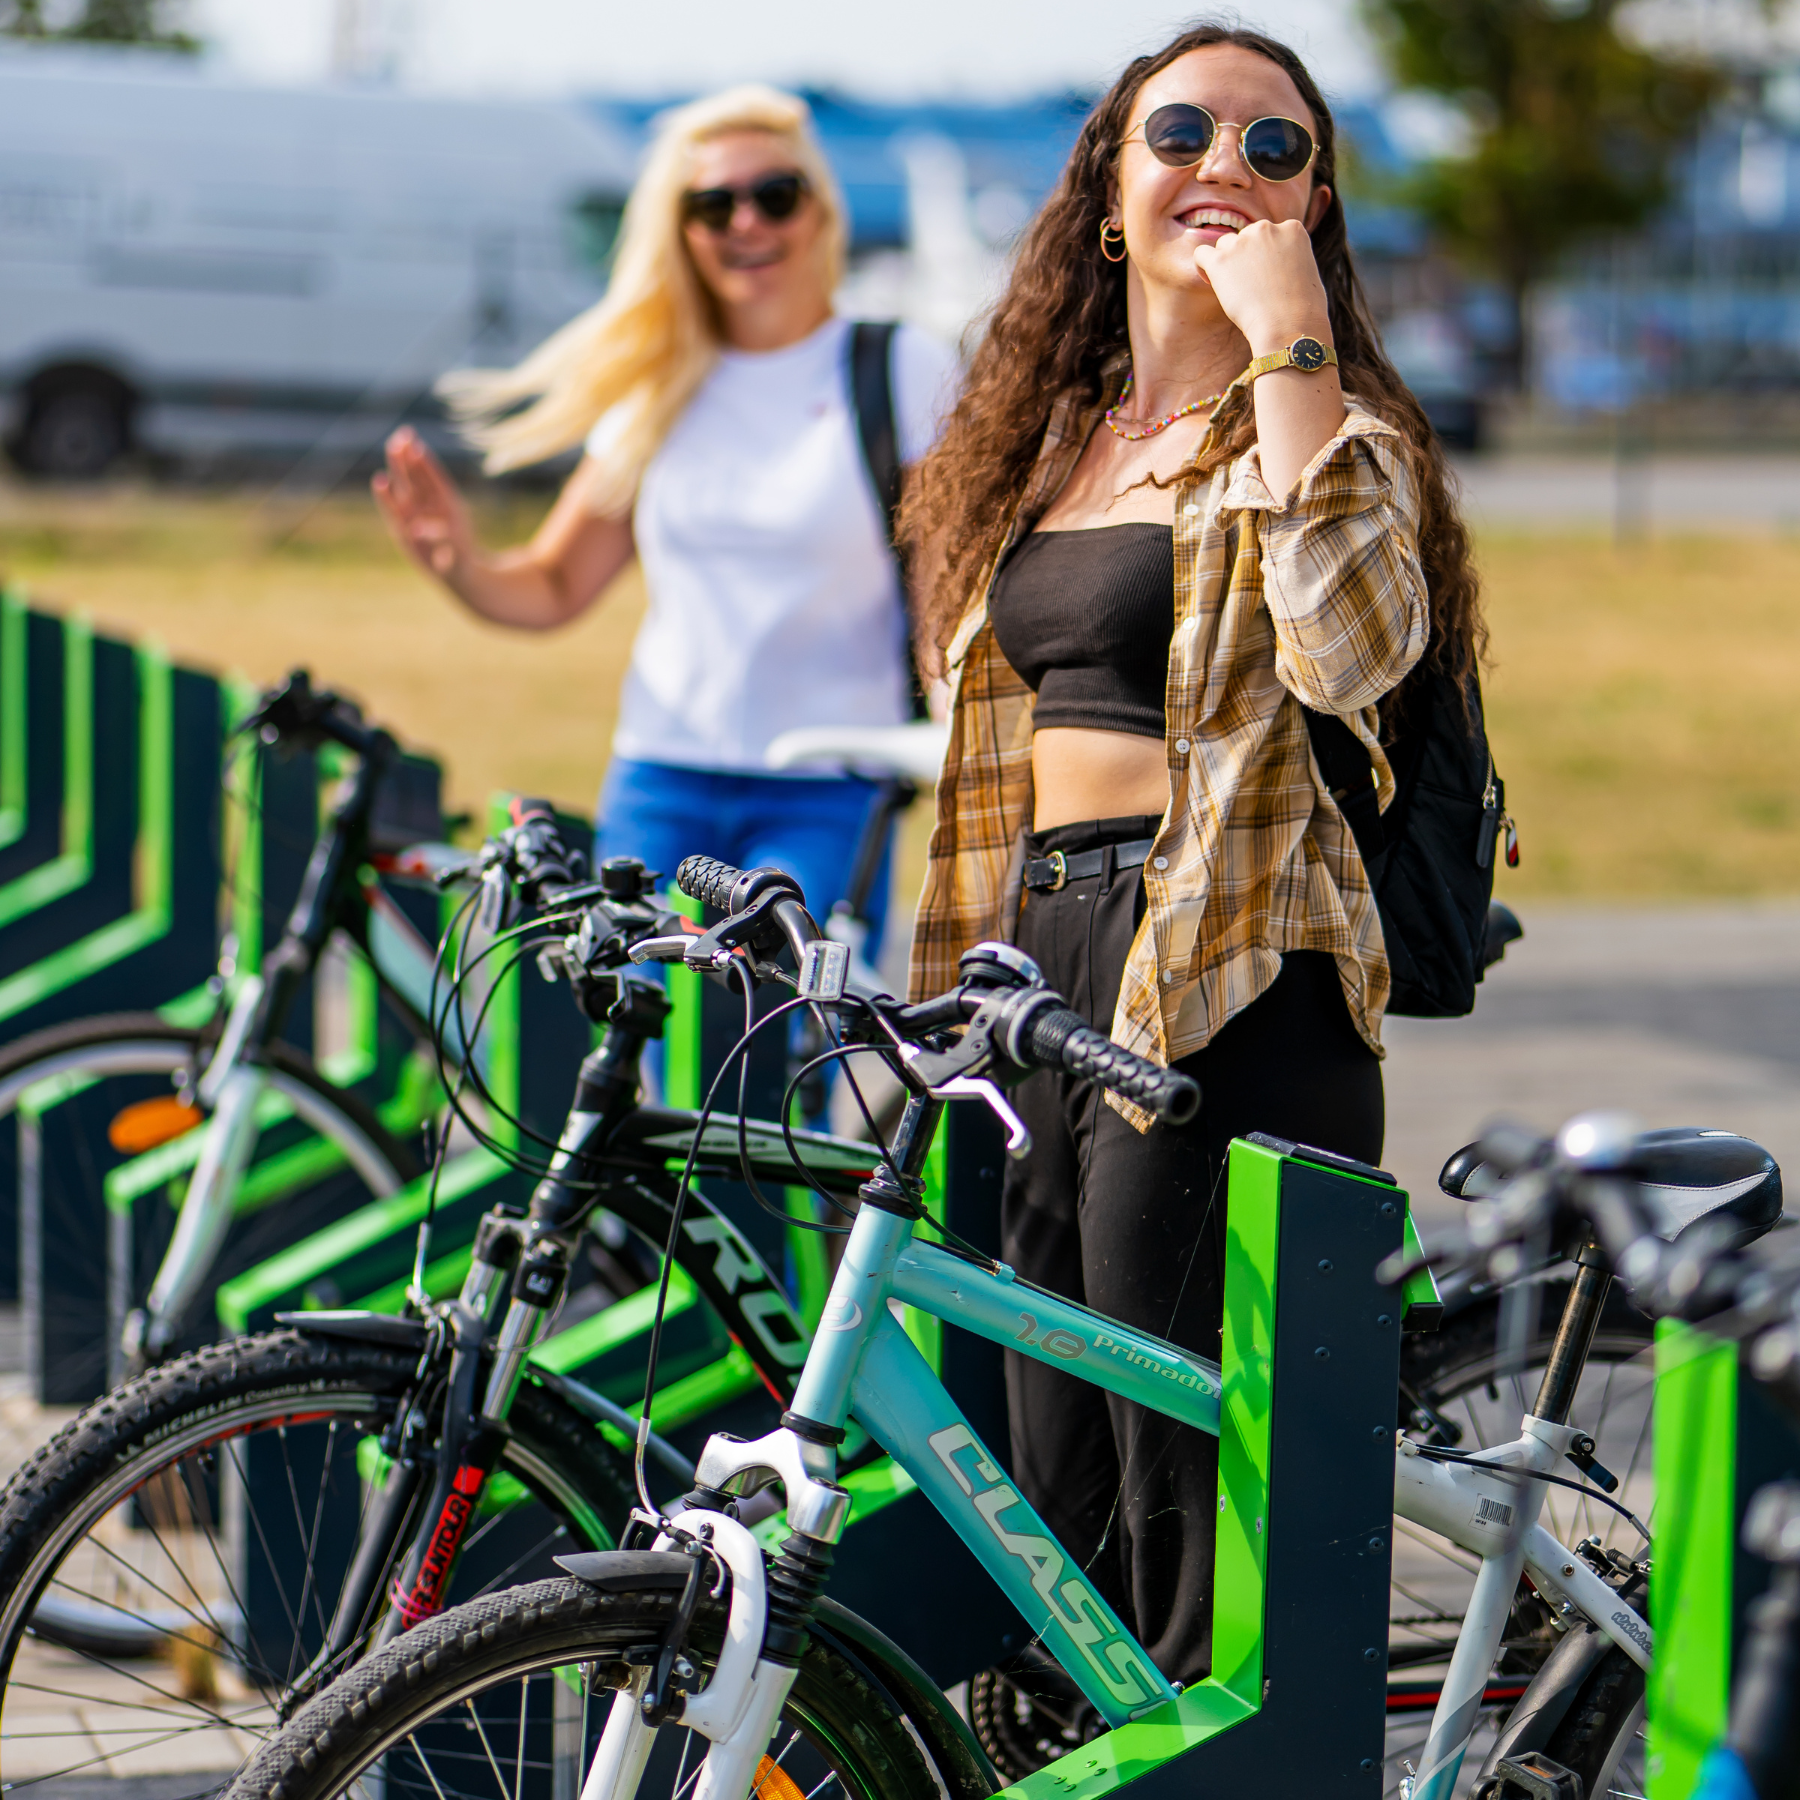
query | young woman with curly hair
[1184, 495]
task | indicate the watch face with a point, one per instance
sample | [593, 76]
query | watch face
[1308, 353]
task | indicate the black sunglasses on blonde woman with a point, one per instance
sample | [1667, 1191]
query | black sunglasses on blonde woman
[776, 197]
[1180, 136]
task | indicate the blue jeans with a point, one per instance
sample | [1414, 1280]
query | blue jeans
[808, 826]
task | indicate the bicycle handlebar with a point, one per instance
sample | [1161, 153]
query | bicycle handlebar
[1033, 1027]
[307, 716]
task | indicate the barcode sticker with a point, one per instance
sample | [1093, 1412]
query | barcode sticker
[1495, 1514]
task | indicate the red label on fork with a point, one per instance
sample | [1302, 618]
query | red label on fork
[427, 1596]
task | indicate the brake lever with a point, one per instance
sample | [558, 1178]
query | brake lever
[957, 1074]
[975, 1087]
[660, 949]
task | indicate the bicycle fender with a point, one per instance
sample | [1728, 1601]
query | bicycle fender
[366, 1327]
[1544, 1703]
[622, 1569]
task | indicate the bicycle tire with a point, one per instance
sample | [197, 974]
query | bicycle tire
[1603, 1727]
[110, 1061]
[125, 1527]
[381, 1710]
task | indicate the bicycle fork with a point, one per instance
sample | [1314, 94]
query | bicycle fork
[765, 1633]
[206, 1212]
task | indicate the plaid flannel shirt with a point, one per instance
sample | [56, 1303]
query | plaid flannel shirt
[1319, 599]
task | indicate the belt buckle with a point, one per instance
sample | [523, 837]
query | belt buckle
[1061, 864]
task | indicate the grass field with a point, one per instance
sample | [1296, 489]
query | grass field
[1642, 700]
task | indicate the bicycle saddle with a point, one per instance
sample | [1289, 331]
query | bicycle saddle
[1688, 1174]
[915, 751]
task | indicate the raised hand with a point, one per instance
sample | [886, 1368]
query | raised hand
[1267, 283]
[428, 517]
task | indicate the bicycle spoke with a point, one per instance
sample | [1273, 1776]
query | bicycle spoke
[487, 1748]
[287, 1466]
[312, 1542]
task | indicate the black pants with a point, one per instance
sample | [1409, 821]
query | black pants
[1133, 1225]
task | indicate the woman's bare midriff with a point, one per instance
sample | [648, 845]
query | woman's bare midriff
[1079, 774]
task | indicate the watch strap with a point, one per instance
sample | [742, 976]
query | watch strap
[1284, 358]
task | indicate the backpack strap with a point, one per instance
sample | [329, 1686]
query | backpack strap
[1343, 760]
[872, 401]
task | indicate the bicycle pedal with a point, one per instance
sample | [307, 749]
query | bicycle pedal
[1531, 1775]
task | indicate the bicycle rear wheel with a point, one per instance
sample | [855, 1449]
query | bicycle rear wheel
[512, 1692]
[171, 1561]
[1459, 1376]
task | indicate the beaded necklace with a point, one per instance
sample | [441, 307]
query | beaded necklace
[1149, 431]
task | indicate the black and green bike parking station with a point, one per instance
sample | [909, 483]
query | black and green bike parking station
[132, 835]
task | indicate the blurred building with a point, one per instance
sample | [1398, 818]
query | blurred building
[1708, 299]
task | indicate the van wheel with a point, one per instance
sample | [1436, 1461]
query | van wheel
[74, 430]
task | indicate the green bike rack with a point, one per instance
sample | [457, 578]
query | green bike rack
[112, 899]
[1718, 1440]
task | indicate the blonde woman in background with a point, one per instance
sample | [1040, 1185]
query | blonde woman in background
[711, 389]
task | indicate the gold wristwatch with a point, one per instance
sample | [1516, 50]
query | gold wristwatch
[1304, 353]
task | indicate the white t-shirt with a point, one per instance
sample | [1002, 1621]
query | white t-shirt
[774, 602]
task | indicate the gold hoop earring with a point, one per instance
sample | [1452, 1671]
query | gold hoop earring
[1107, 225]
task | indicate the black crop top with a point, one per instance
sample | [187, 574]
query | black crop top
[1085, 618]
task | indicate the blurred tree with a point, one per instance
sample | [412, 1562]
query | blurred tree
[100, 22]
[1571, 128]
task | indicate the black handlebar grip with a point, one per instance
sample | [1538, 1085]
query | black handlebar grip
[1060, 1039]
[545, 863]
[708, 881]
[731, 890]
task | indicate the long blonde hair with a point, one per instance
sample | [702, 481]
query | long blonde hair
[642, 352]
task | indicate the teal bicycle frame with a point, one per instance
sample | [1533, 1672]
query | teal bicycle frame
[863, 1362]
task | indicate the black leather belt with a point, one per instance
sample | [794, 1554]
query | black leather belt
[1045, 874]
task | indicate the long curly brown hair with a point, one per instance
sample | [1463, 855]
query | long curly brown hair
[1063, 317]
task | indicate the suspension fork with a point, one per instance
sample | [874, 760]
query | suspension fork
[468, 1447]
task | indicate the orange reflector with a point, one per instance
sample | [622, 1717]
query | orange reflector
[151, 1122]
[774, 1783]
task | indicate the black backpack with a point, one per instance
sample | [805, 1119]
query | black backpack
[1430, 856]
[872, 401]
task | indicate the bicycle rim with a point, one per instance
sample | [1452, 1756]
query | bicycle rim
[1432, 1579]
[186, 1593]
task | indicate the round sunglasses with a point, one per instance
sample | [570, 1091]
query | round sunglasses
[776, 197]
[1179, 136]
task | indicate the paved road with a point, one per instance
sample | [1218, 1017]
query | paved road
[1662, 493]
[1687, 1016]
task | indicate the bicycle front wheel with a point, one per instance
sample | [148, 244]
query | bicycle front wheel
[511, 1693]
[101, 1116]
[172, 1561]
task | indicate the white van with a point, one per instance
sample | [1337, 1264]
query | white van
[196, 267]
